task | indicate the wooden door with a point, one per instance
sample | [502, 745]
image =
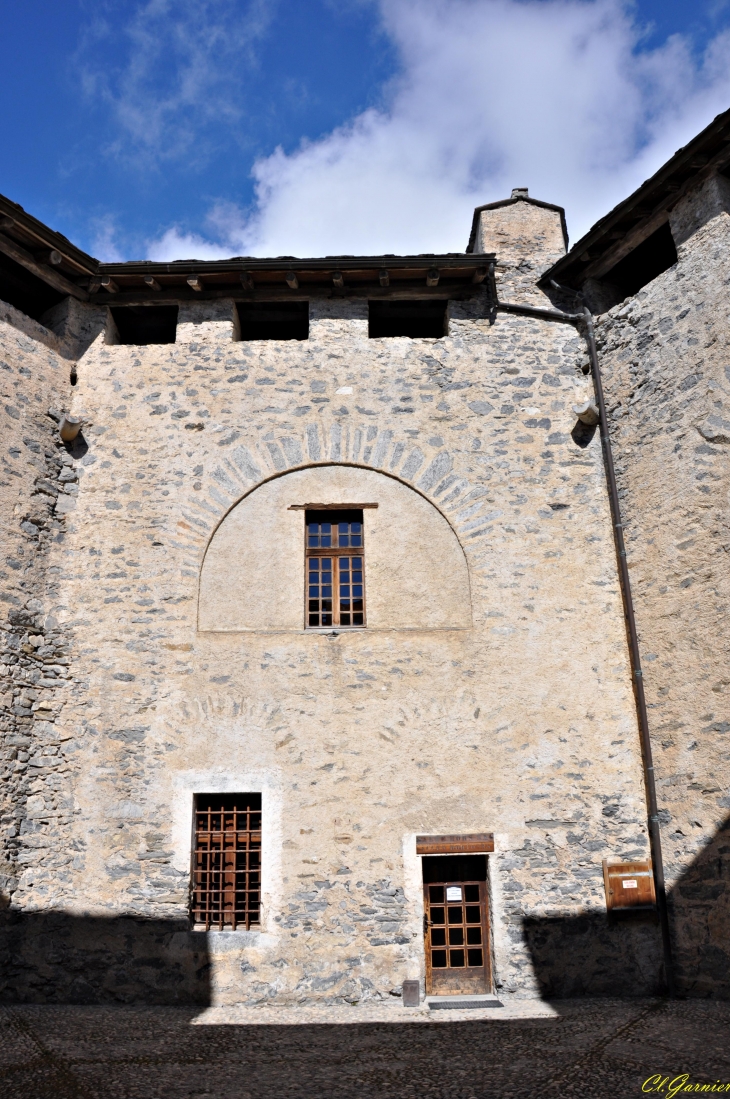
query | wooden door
[456, 927]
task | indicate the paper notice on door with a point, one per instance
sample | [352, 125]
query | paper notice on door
[453, 892]
[630, 883]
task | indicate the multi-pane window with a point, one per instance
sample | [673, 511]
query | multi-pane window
[335, 568]
[456, 931]
[226, 891]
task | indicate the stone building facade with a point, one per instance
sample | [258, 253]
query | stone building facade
[158, 649]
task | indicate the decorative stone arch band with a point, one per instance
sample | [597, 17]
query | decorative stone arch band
[252, 577]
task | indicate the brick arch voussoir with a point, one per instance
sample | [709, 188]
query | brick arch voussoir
[244, 463]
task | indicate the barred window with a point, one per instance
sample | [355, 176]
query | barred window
[226, 888]
[335, 547]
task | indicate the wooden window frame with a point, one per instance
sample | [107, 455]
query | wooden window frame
[225, 888]
[335, 553]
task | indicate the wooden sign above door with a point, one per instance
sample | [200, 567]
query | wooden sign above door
[476, 843]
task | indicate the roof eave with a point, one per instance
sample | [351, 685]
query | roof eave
[649, 204]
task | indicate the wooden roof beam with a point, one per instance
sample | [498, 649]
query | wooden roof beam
[54, 257]
[602, 264]
[47, 239]
[40, 270]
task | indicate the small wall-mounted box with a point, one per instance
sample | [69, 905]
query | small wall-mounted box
[629, 885]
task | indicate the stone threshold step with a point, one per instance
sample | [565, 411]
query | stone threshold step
[461, 1003]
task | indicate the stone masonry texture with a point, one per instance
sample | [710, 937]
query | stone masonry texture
[517, 719]
[666, 364]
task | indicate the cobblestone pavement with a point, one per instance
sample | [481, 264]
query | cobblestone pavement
[583, 1048]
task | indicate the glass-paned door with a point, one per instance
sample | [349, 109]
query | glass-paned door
[456, 932]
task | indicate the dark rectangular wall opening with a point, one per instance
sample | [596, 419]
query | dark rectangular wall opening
[228, 803]
[417, 319]
[143, 324]
[442, 868]
[26, 291]
[650, 258]
[273, 320]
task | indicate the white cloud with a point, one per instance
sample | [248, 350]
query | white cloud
[174, 244]
[556, 95]
[175, 80]
[103, 236]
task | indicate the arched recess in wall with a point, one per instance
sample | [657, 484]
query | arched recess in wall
[416, 574]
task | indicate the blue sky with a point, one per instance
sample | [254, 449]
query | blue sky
[170, 128]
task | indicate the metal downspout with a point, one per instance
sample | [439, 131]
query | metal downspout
[655, 839]
[655, 842]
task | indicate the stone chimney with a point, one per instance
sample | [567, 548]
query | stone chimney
[528, 237]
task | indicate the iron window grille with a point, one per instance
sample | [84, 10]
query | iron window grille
[335, 552]
[226, 886]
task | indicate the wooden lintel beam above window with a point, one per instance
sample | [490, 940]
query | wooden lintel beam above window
[41, 270]
[474, 843]
[330, 507]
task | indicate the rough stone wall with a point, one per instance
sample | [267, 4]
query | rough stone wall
[35, 471]
[523, 725]
[665, 360]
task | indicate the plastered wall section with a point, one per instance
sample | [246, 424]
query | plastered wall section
[665, 363]
[523, 724]
[254, 576]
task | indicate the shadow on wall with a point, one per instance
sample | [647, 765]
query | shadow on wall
[594, 955]
[55, 957]
[598, 955]
[699, 915]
